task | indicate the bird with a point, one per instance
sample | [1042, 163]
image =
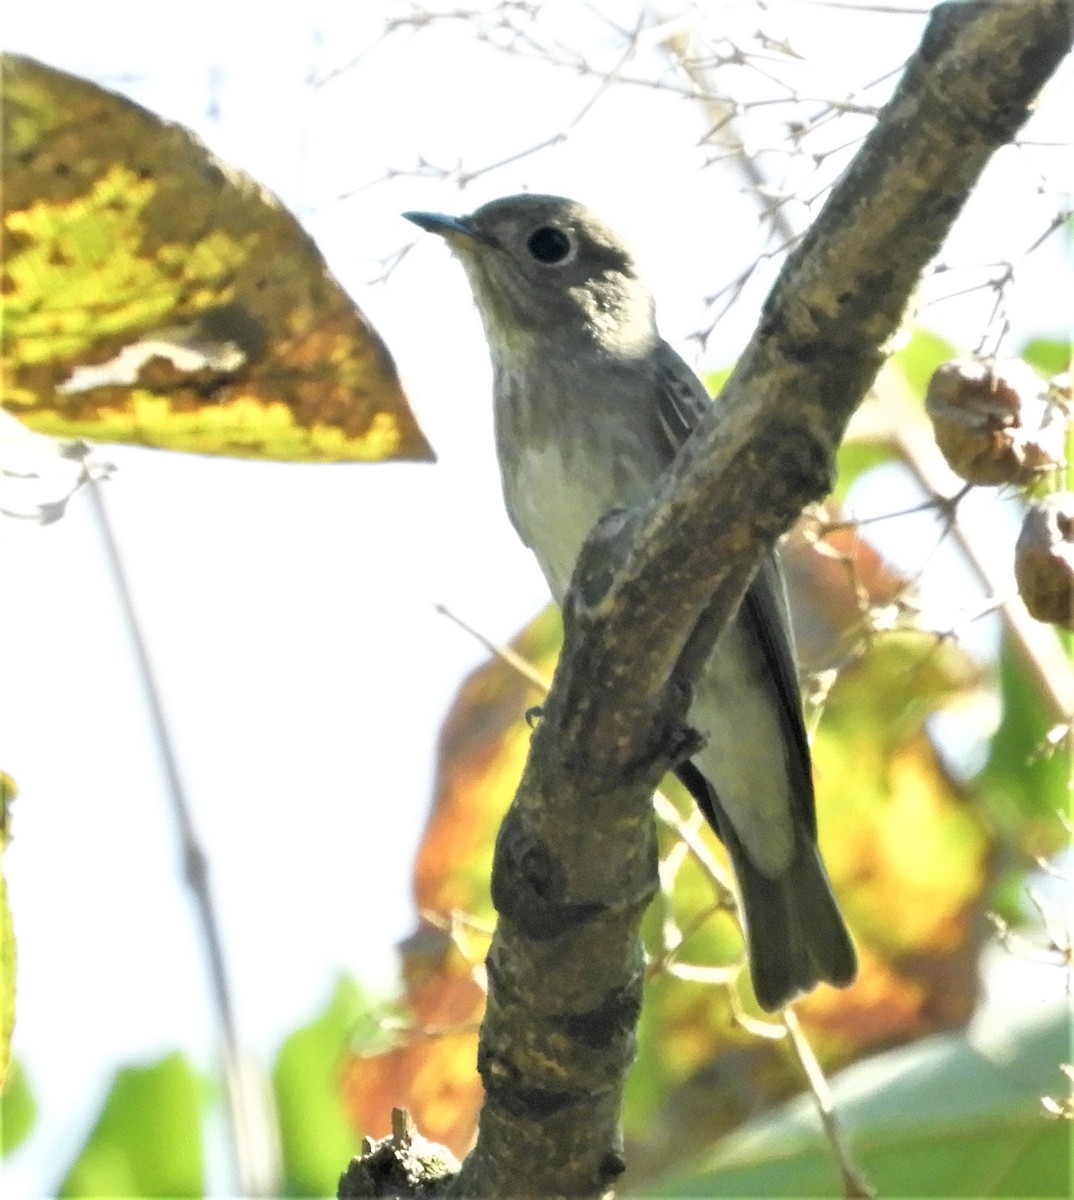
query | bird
[590, 406]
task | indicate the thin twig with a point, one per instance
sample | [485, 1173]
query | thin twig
[254, 1126]
[413, 1030]
[855, 1185]
[511, 657]
[717, 876]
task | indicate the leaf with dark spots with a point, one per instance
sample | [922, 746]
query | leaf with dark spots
[125, 242]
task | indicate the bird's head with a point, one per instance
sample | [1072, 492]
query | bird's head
[548, 277]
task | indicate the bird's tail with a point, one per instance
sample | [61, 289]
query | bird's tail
[795, 933]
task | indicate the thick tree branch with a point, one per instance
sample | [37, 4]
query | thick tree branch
[576, 862]
[768, 448]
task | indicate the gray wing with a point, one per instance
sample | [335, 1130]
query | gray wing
[680, 402]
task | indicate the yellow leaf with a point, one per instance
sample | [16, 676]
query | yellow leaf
[7, 937]
[153, 295]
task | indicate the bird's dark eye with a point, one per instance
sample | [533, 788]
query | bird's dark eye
[548, 244]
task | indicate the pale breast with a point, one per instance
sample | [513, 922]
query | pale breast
[567, 459]
[554, 502]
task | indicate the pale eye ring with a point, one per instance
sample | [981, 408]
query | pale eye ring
[550, 245]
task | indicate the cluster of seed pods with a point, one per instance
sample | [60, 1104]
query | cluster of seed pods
[998, 422]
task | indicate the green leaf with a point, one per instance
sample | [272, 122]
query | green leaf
[17, 1109]
[1050, 356]
[318, 1139]
[714, 380]
[855, 457]
[1025, 781]
[950, 1116]
[147, 1140]
[918, 358]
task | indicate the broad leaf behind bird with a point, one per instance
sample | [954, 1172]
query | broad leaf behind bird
[591, 405]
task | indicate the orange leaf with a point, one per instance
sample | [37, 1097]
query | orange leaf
[483, 747]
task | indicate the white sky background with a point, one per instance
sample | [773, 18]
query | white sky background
[289, 609]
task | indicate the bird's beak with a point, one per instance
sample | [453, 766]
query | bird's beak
[446, 227]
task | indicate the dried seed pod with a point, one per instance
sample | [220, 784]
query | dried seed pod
[1044, 559]
[994, 422]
